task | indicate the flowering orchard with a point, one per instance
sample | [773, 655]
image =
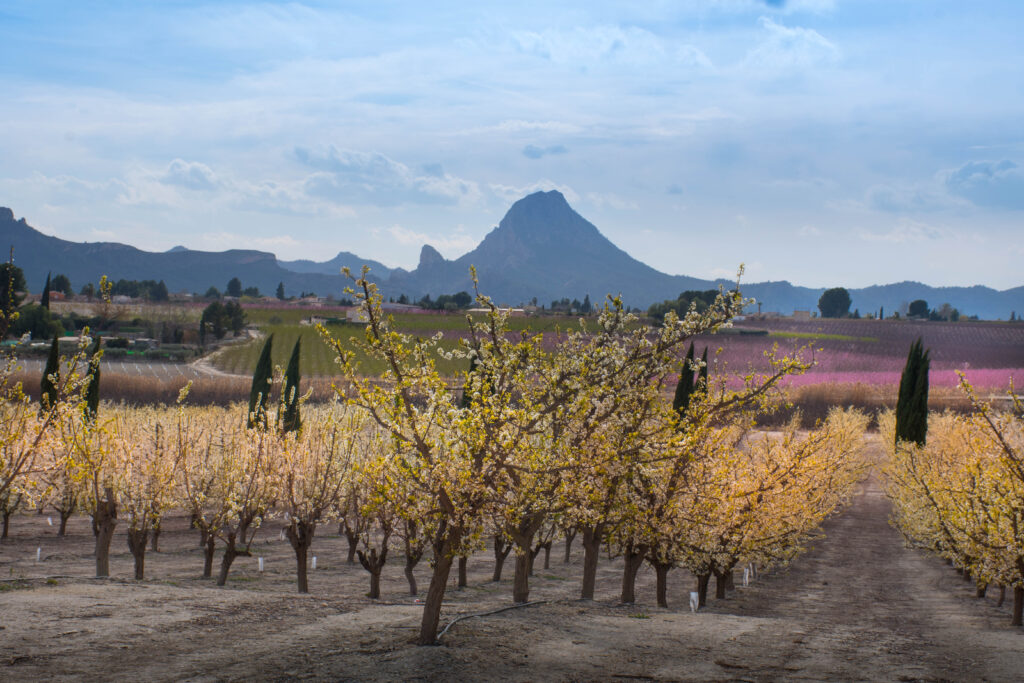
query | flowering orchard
[575, 437]
[961, 495]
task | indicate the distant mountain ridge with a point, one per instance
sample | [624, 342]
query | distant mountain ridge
[542, 248]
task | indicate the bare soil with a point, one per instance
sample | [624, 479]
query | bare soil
[858, 606]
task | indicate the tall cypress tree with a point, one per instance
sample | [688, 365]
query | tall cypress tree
[48, 386]
[262, 378]
[686, 385]
[45, 300]
[92, 393]
[288, 418]
[912, 403]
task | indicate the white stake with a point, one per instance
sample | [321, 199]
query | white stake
[39, 554]
[314, 562]
[261, 564]
[282, 535]
[746, 576]
[694, 601]
[49, 520]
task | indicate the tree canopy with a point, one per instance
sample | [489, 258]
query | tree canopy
[835, 303]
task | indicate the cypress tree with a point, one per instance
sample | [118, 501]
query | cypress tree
[92, 393]
[262, 378]
[48, 386]
[685, 387]
[881, 313]
[912, 404]
[45, 300]
[289, 418]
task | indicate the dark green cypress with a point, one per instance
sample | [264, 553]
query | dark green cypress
[44, 301]
[48, 386]
[685, 387]
[912, 403]
[92, 393]
[289, 418]
[262, 378]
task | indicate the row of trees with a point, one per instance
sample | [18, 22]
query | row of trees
[576, 437]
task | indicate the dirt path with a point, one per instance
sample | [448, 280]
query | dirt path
[857, 606]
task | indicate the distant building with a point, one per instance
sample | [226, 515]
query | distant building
[801, 315]
[357, 315]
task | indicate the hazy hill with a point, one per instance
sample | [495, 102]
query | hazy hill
[542, 248]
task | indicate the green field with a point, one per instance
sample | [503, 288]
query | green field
[821, 335]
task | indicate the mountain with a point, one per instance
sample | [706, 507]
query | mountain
[542, 248]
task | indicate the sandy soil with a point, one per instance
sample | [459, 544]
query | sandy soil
[857, 607]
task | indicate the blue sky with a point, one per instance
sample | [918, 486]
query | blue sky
[826, 142]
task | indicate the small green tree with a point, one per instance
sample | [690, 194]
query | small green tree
[51, 379]
[834, 303]
[288, 414]
[912, 403]
[234, 287]
[62, 284]
[262, 379]
[44, 300]
[92, 392]
[280, 291]
[918, 309]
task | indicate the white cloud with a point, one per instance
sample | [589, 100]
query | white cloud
[988, 183]
[451, 246]
[630, 46]
[906, 231]
[786, 48]
[191, 175]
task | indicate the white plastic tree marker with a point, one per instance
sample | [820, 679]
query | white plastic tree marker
[746, 576]
[694, 601]
[39, 554]
[49, 520]
[314, 562]
[261, 564]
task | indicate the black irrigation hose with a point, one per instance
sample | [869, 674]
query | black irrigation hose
[486, 614]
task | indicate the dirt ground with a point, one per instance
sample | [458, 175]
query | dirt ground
[857, 606]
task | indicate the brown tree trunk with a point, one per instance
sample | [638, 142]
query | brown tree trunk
[730, 581]
[463, 577]
[533, 557]
[982, 589]
[720, 581]
[661, 570]
[1002, 596]
[353, 544]
[7, 523]
[570, 534]
[137, 545]
[547, 555]
[410, 564]
[62, 530]
[702, 589]
[501, 551]
[521, 581]
[1018, 606]
[374, 563]
[435, 593]
[632, 559]
[230, 553]
[591, 551]
[209, 547]
[300, 534]
[155, 538]
[104, 522]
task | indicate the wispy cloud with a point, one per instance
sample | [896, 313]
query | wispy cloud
[998, 184]
[906, 231]
[535, 152]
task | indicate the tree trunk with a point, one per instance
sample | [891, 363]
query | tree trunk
[463, 578]
[521, 581]
[1018, 605]
[982, 589]
[1002, 596]
[547, 555]
[435, 593]
[730, 581]
[104, 522]
[62, 530]
[632, 559]
[533, 556]
[300, 534]
[720, 581]
[661, 570]
[702, 589]
[230, 553]
[137, 545]
[155, 538]
[591, 551]
[374, 563]
[209, 547]
[410, 564]
[353, 544]
[570, 534]
[501, 551]
[7, 523]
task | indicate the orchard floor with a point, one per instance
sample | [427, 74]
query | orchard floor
[857, 606]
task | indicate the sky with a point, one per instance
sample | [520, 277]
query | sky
[824, 142]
